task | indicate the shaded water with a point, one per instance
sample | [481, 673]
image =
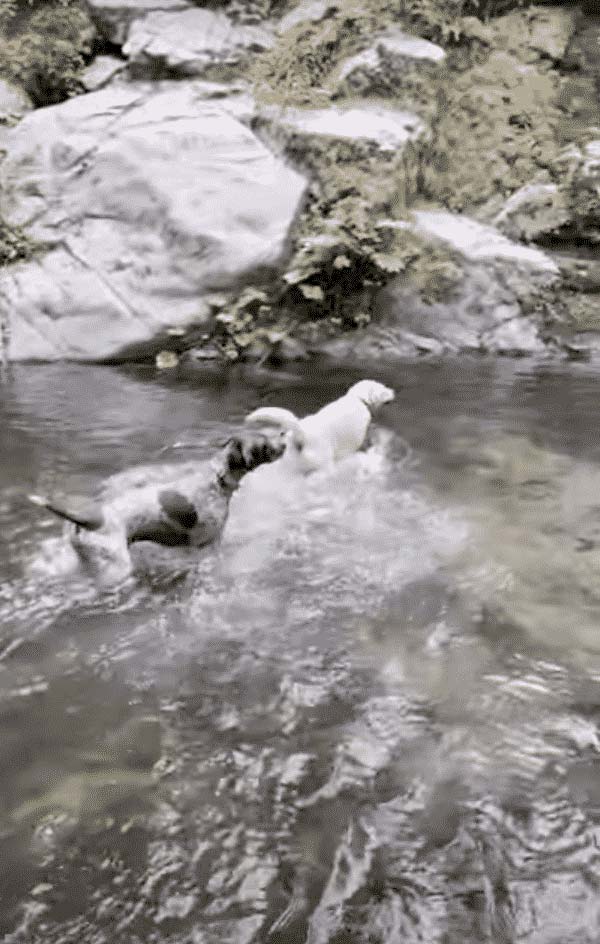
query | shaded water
[370, 715]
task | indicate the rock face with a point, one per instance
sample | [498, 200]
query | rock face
[190, 42]
[147, 197]
[480, 312]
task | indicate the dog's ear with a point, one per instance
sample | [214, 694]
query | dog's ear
[263, 449]
[236, 459]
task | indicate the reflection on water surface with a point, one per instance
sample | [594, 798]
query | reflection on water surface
[371, 714]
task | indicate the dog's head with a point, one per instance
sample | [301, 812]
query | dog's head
[372, 393]
[246, 451]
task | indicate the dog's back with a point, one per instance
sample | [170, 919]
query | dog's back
[339, 428]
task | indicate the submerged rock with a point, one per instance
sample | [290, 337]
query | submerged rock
[146, 197]
[190, 42]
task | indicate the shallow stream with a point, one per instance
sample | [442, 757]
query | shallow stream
[369, 715]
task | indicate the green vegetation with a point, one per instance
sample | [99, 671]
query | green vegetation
[44, 45]
[444, 20]
[493, 110]
[14, 245]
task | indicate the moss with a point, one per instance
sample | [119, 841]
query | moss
[44, 47]
[14, 245]
[502, 119]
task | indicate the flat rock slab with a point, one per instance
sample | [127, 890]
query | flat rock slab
[103, 69]
[191, 42]
[399, 48]
[148, 196]
[307, 11]
[478, 242]
[114, 17]
[388, 129]
[534, 211]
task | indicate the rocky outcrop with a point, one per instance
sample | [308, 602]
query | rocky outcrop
[396, 64]
[144, 198]
[564, 206]
[480, 308]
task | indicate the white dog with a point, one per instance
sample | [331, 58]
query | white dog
[337, 430]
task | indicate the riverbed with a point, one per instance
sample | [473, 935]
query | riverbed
[370, 714]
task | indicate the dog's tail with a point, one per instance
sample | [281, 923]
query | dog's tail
[274, 416]
[90, 518]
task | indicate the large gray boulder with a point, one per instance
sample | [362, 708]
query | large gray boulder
[146, 198]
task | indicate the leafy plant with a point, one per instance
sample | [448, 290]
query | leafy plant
[43, 47]
[440, 20]
[14, 245]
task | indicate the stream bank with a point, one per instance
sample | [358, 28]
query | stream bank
[359, 179]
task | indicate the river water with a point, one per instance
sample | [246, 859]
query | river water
[369, 715]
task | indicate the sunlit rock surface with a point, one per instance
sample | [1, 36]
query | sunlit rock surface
[146, 196]
[114, 17]
[386, 129]
[101, 71]
[477, 242]
[14, 103]
[307, 11]
[389, 65]
[191, 41]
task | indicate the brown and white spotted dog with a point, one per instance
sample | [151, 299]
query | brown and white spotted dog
[182, 505]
